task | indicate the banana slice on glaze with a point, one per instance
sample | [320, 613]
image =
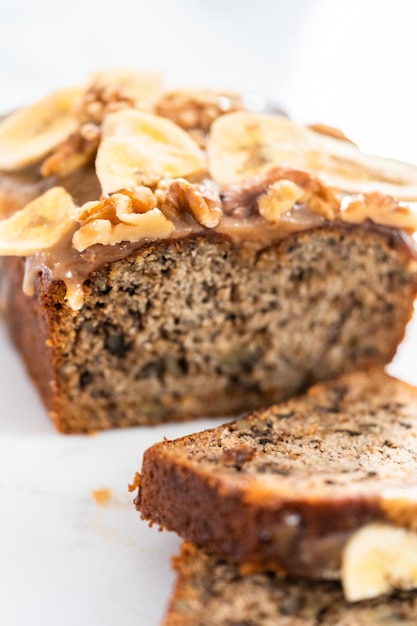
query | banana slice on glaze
[29, 134]
[39, 225]
[243, 145]
[139, 148]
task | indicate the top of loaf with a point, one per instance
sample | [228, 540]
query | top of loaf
[121, 160]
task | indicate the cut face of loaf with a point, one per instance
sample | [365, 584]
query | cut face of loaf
[202, 325]
[289, 486]
[212, 592]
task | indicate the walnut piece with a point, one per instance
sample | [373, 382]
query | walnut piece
[278, 199]
[129, 215]
[380, 209]
[276, 192]
[112, 90]
[72, 153]
[178, 197]
[196, 109]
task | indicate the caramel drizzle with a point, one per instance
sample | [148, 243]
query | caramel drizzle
[64, 263]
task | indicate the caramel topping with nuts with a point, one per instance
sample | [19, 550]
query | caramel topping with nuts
[268, 177]
[278, 199]
[131, 215]
[138, 213]
[380, 209]
[72, 153]
[276, 192]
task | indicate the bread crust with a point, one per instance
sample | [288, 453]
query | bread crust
[285, 487]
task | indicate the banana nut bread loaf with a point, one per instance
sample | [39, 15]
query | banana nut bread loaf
[212, 592]
[183, 257]
[315, 486]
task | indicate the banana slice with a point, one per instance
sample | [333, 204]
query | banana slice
[29, 134]
[39, 225]
[139, 149]
[378, 559]
[243, 144]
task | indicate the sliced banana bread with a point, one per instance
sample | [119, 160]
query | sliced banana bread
[212, 592]
[181, 258]
[300, 486]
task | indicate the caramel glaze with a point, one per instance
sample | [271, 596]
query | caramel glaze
[19, 187]
[64, 263]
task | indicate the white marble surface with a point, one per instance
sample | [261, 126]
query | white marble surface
[64, 559]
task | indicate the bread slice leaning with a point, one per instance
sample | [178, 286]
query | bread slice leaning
[212, 592]
[290, 486]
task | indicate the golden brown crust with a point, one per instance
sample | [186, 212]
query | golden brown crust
[286, 486]
[28, 327]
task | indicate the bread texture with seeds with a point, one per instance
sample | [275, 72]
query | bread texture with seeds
[287, 487]
[213, 592]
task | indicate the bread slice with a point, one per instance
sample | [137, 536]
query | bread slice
[212, 592]
[290, 486]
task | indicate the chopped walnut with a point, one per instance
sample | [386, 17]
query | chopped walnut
[129, 215]
[178, 197]
[118, 206]
[378, 208]
[101, 99]
[317, 197]
[290, 186]
[278, 199]
[196, 110]
[72, 153]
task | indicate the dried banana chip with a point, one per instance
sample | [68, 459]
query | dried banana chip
[39, 225]
[27, 135]
[242, 145]
[139, 149]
